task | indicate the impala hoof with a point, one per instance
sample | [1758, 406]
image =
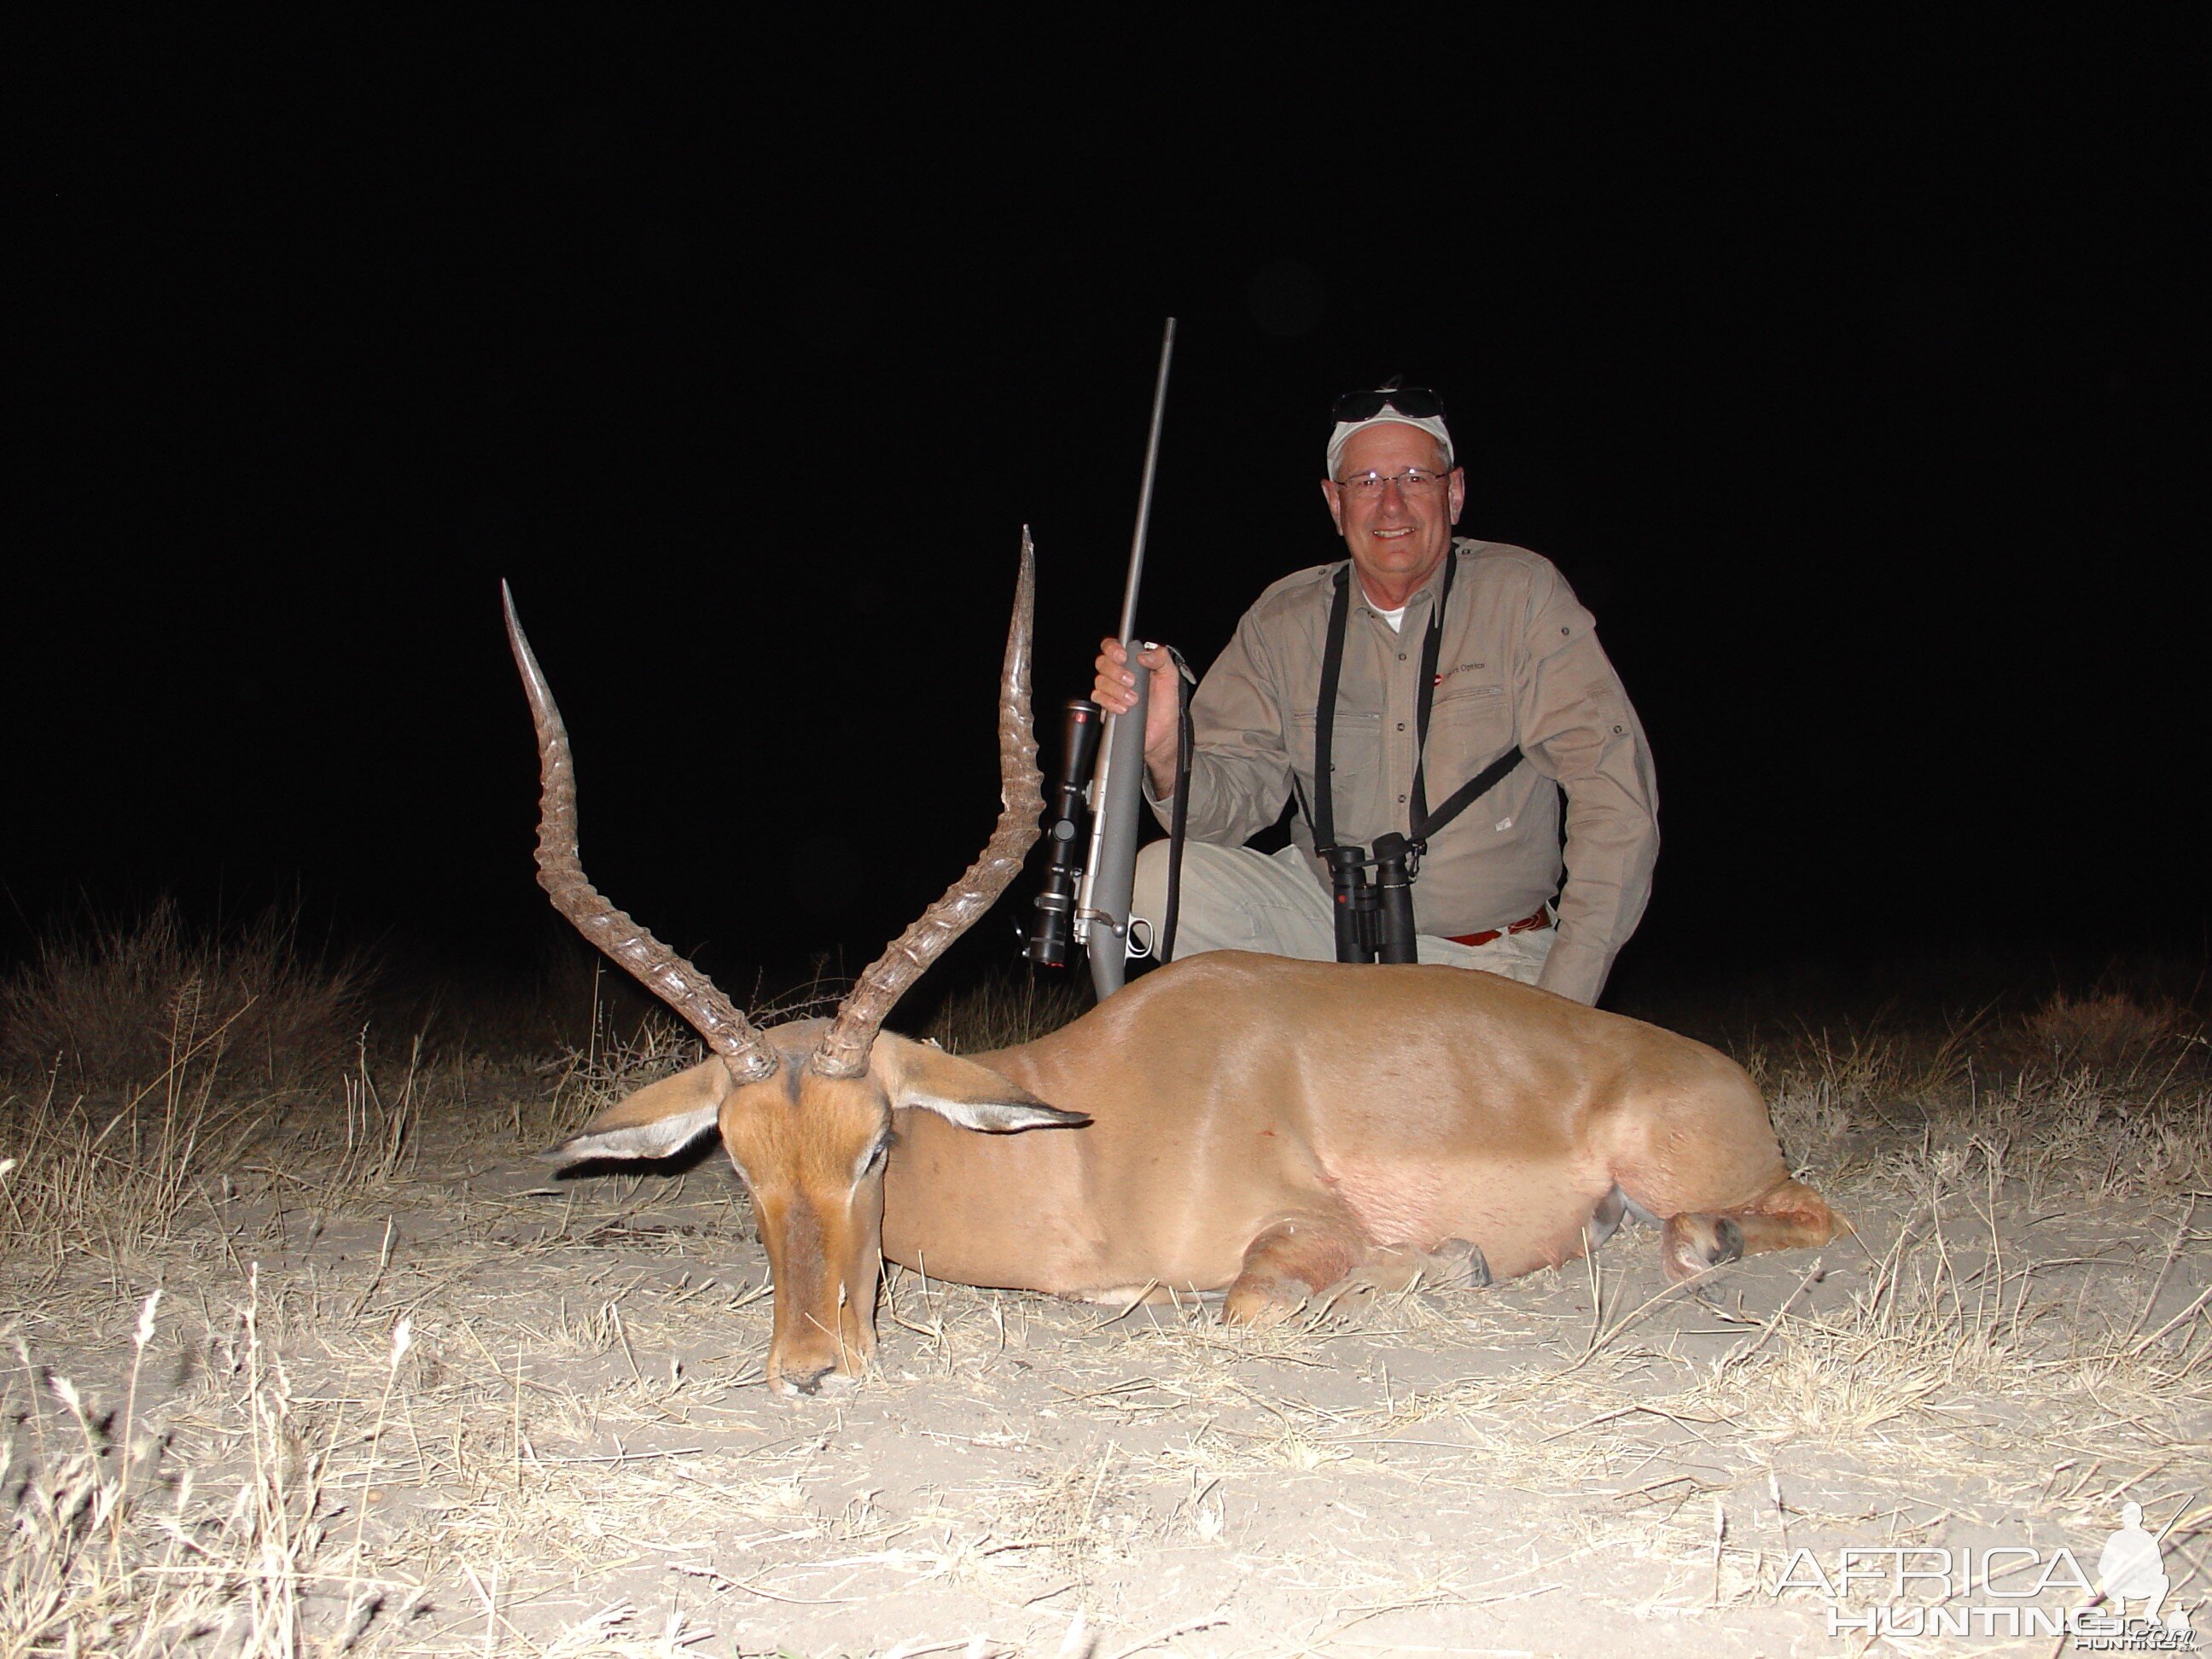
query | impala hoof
[1730, 1235]
[1259, 1302]
[828, 1383]
[1696, 1243]
[1456, 1265]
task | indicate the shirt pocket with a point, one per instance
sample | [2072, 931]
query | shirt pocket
[1469, 726]
[1355, 754]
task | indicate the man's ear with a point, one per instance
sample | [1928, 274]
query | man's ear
[959, 1090]
[1333, 496]
[659, 1121]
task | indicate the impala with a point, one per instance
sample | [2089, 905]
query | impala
[1289, 1132]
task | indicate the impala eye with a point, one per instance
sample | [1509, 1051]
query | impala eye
[877, 1153]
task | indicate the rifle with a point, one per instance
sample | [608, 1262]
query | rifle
[1087, 888]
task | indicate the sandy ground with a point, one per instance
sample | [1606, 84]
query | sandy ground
[572, 1451]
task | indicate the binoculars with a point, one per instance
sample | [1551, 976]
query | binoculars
[1374, 913]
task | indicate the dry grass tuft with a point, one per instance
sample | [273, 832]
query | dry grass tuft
[114, 1181]
[111, 1184]
[2106, 1029]
[1001, 1013]
[120, 1003]
[611, 1066]
[112, 1547]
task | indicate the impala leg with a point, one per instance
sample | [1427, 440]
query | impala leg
[1792, 1217]
[1288, 1264]
[1614, 1208]
[1454, 1264]
[1324, 1263]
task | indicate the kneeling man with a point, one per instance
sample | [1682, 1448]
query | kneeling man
[1465, 696]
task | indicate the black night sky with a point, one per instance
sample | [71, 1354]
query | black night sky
[1854, 386]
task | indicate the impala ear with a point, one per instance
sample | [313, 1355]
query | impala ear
[926, 1078]
[659, 1121]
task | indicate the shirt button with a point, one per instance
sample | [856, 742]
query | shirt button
[1401, 725]
[1401, 800]
[1401, 656]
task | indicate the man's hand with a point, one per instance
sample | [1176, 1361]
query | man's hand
[1116, 691]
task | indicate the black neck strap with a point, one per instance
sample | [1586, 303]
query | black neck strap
[1332, 669]
[1421, 822]
[1418, 822]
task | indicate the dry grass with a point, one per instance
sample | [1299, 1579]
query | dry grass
[114, 1547]
[2108, 1030]
[114, 1181]
[1003, 1012]
[123, 1005]
[401, 1394]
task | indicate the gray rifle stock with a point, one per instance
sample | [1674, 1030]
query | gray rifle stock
[1117, 787]
[1102, 906]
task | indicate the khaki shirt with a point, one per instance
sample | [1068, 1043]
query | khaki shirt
[1520, 662]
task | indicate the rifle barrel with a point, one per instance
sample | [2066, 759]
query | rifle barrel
[1145, 495]
[1101, 922]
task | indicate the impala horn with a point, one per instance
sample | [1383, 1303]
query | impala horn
[843, 1051]
[561, 874]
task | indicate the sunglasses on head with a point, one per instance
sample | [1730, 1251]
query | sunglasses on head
[1417, 401]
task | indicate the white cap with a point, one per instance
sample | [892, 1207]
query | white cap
[1432, 425]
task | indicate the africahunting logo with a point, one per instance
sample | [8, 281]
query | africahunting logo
[2129, 1605]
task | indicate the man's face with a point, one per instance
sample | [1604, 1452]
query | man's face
[1396, 537]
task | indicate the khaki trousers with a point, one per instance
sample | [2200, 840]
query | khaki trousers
[1235, 899]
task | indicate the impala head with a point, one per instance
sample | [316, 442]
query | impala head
[804, 1109]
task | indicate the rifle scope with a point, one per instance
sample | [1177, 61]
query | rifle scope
[1050, 938]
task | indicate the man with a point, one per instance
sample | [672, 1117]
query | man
[1515, 661]
[2132, 1567]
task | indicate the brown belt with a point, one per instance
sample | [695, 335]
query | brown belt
[1541, 917]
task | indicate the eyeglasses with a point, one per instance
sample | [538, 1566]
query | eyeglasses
[1414, 480]
[1417, 401]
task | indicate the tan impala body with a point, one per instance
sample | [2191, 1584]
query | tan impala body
[1375, 1109]
[1287, 1133]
